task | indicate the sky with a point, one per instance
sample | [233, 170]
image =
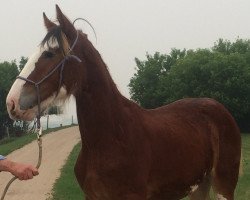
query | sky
[126, 28]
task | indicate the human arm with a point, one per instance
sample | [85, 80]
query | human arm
[20, 170]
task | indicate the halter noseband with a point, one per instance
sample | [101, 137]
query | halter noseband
[60, 65]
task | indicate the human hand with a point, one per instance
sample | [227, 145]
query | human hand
[20, 170]
[23, 171]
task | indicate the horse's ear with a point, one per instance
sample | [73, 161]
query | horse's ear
[65, 23]
[48, 24]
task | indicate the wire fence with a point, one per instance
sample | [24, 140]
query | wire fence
[52, 121]
[49, 121]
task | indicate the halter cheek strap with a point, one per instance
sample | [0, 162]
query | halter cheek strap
[60, 66]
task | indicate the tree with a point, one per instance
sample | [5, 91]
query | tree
[147, 78]
[8, 73]
[222, 73]
[226, 47]
[55, 110]
[221, 77]
[22, 63]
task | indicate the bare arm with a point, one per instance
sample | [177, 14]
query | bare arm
[21, 171]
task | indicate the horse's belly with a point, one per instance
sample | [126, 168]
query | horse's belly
[172, 190]
[174, 176]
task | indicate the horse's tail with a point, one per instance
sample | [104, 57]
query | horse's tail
[227, 151]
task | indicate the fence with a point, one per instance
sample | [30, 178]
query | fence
[48, 121]
[52, 121]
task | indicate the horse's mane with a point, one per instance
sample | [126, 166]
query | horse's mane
[55, 34]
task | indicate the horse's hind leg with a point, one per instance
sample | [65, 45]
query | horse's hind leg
[224, 183]
[202, 192]
[225, 173]
[226, 169]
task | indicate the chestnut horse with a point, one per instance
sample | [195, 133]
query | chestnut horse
[128, 153]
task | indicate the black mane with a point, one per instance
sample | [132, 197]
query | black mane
[54, 34]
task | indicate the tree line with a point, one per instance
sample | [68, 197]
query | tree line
[8, 73]
[221, 72]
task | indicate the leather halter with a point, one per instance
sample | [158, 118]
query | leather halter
[59, 66]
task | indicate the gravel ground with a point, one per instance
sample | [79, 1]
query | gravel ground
[56, 148]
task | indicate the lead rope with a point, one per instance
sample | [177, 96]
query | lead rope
[39, 142]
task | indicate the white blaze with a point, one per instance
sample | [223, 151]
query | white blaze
[28, 68]
[15, 91]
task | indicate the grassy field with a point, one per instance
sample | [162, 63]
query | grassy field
[243, 187]
[66, 187]
[9, 145]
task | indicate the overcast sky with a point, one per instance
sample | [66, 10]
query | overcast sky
[126, 29]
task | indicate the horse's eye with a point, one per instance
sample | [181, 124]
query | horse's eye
[48, 54]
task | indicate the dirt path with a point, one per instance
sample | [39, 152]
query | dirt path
[56, 148]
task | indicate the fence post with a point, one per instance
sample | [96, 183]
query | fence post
[7, 131]
[47, 121]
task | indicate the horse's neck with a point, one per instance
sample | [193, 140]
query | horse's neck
[99, 108]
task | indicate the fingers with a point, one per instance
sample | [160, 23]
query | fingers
[26, 176]
[25, 172]
[34, 171]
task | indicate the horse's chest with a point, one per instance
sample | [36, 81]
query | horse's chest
[98, 183]
[94, 187]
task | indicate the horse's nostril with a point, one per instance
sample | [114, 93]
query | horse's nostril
[13, 106]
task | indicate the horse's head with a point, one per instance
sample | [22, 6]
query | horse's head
[49, 73]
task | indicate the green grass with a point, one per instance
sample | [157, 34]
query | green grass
[66, 187]
[14, 143]
[243, 187]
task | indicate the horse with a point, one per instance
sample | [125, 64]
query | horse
[128, 153]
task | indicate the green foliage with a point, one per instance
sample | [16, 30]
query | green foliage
[55, 110]
[22, 63]
[13, 143]
[8, 73]
[243, 187]
[222, 73]
[147, 78]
